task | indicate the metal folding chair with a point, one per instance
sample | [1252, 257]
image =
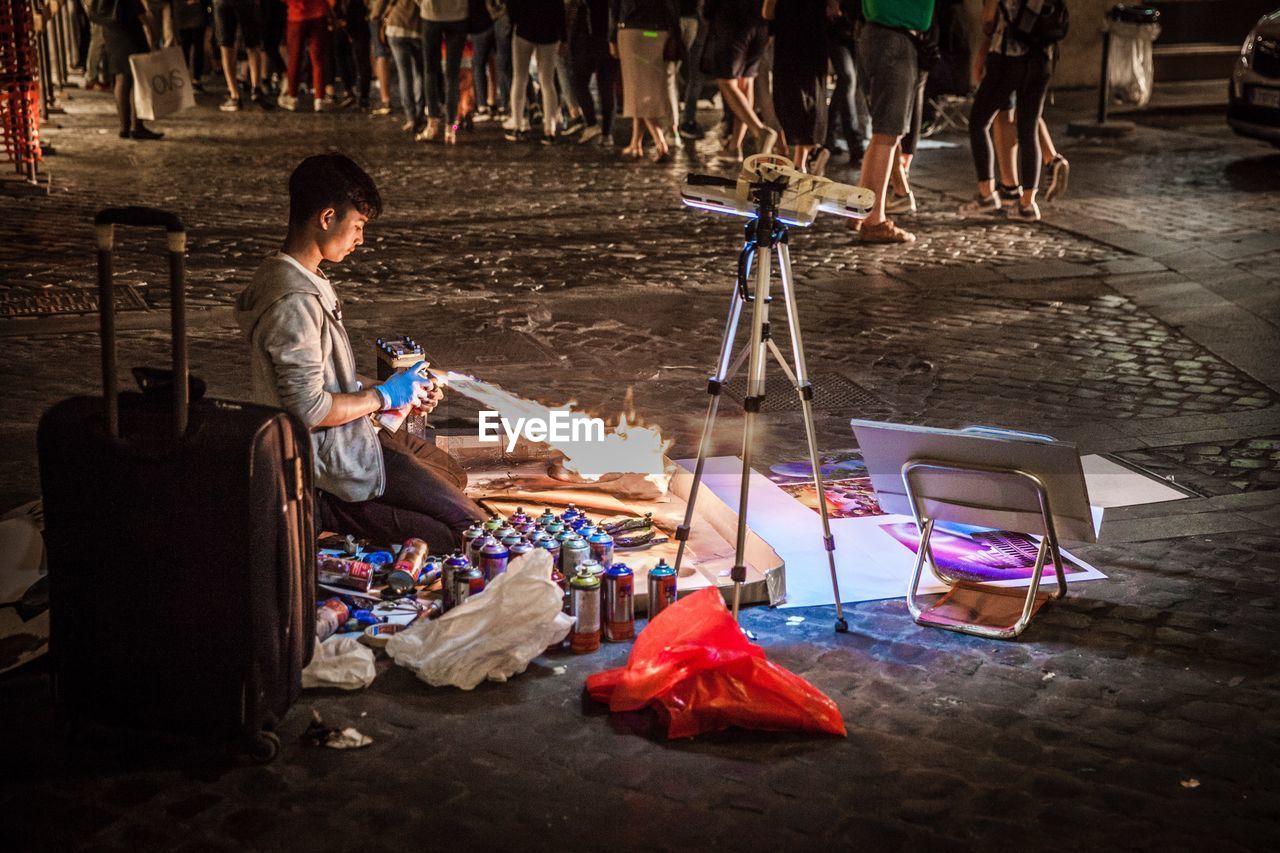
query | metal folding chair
[970, 607]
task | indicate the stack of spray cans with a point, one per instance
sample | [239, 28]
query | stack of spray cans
[599, 591]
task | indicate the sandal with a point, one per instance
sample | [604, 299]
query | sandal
[885, 232]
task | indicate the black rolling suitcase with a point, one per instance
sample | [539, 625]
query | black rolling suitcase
[180, 541]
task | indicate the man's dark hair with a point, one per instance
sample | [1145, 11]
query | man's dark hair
[330, 180]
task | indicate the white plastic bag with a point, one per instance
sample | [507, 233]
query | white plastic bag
[161, 83]
[1132, 70]
[493, 635]
[342, 662]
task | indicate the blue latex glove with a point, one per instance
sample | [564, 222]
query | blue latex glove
[405, 387]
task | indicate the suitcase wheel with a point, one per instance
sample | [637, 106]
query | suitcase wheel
[263, 747]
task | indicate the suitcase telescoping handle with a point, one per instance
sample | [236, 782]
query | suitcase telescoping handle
[104, 228]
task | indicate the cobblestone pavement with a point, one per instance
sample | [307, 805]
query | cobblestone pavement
[1138, 713]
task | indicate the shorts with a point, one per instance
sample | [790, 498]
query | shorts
[889, 76]
[378, 49]
[733, 51]
[228, 15]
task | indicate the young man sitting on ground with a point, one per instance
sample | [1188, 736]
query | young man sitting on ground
[384, 486]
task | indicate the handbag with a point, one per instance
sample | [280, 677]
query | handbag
[161, 83]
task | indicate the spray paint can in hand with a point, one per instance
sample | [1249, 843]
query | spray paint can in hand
[662, 588]
[407, 569]
[619, 603]
[584, 607]
[330, 617]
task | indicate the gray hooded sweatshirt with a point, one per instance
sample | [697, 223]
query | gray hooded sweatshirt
[299, 358]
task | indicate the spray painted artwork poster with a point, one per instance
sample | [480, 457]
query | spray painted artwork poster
[978, 554]
[851, 498]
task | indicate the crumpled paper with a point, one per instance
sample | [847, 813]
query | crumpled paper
[342, 662]
[494, 635]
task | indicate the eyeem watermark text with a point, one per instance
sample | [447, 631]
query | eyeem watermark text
[559, 427]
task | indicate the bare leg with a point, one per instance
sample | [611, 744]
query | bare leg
[636, 148]
[800, 155]
[737, 94]
[659, 136]
[382, 68]
[1048, 153]
[898, 174]
[229, 70]
[876, 164]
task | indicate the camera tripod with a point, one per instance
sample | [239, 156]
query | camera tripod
[766, 235]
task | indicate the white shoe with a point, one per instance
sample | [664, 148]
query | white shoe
[287, 102]
[323, 105]
[589, 133]
[901, 203]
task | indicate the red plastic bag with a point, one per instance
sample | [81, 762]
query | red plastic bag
[693, 664]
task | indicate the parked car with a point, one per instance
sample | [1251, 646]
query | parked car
[1254, 108]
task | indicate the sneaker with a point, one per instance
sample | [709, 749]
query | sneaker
[574, 125]
[1009, 192]
[900, 204]
[728, 156]
[323, 105]
[884, 232]
[516, 135]
[1024, 214]
[262, 98]
[588, 134]
[382, 109]
[346, 101]
[231, 105]
[980, 206]
[690, 130]
[287, 102]
[482, 114]
[1056, 172]
[409, 125]
[547, 139]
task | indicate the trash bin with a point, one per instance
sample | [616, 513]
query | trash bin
[1131, 71]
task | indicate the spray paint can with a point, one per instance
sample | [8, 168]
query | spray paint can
[466, 583]
[552, 547]
[601, 544]
[573, 551]
[511, 540]
[330, 617]
[584, 607]
[546, 518]
[570, 513]
[407, 569]
[619, 603]
[473, 548]
[493, 558]
[662, 588]
[519, 549]
[492, 523]
[577, 524]
[528, 528]
[392, 419]
[504, 531]
[554, 527]
[518, 517]
[472, 532]
[455, 563]
[348, 574]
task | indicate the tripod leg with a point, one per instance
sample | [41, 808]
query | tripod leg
[805, 390]
[714, 386]
[751, 408]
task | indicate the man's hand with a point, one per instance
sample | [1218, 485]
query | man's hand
[433, 398]
[406, 387]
